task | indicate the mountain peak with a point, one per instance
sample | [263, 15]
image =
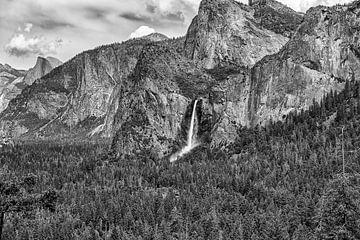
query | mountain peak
[253, 2]
[226, 32]
[43, 66]
[155, 37]
[40, 59]
[7, 66]
[277, 17]
[219, 5]
[54, 62]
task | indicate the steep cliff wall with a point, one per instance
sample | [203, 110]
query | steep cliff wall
[143, 91]
[76, 96]
[42, 67]
[321, 56]
[226, 31]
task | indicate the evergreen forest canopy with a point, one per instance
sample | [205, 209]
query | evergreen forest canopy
[297, 179]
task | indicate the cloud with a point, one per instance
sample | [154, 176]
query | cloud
[171, 10]
[20, 46]
[96, 13]
[163, 13]
[142, 31]
[305, 5]
[136, 17]
[85, 24]
[52, 24]
[28, 27]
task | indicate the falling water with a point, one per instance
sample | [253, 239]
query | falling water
[191, 130]
[191, 142]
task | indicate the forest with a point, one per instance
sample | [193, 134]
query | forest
[296, 179]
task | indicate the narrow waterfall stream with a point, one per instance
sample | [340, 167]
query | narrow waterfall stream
[191, 139]
[191, 129]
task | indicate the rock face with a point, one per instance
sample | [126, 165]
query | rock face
[14, 81]
[11, 84]
[41, 68]
[226, 31]
[236, 60]
[225, 39]
[277, 17]
[323, 53]
[75, 97]
[154, 114]
[155, 37]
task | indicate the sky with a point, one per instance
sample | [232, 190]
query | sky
[64, 28]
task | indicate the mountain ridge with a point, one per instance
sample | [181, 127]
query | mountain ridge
[241, 70]
[17, 82]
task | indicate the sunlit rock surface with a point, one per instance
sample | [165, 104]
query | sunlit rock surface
[226, 31]
[323, 53]
[239, 62]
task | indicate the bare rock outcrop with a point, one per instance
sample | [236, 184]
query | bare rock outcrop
[75, 97]
[225, 31]
[241, 67]
[13, 81]
[153, 111]
[321, 56]
[41, 68]
[277, 17]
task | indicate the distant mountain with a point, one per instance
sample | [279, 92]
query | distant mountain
[226, 32]
[41, 68]
[78, 96]
[277, 17]
[320, 57]
[155, 37]
[14, 81]
[243, 71]
[246, 65]
[11, 84]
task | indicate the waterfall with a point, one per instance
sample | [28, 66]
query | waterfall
[191, 130]
[191, 142]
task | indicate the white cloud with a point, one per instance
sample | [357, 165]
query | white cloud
[28, 27]
[308, 4]
[85, 24]
[20, 46]
[142, 31]
[304, 5]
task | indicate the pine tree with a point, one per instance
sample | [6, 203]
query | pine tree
[338, 215]
[176, 222]
[16, 196]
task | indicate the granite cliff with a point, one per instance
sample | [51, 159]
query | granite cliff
[245, 64]
[14, 81]
[227, 31]
[321, 56]
[223, 42]
[41, 68]
[11, 84]
[75, 97]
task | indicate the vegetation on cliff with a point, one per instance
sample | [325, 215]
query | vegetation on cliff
[293, 180]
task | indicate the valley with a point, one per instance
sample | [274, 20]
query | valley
[245, 128]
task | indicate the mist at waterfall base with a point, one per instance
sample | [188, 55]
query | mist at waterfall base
[191, 138]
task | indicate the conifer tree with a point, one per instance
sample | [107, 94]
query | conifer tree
[338, 215]
[16, 196]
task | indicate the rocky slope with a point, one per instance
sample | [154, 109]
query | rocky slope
[14, 81]
[242, 69]
[77, 96]
[11, 84]
[41, 68]
[226, 31]
[223, 41]
[277, 17]
[320, 56]
[323, 53]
